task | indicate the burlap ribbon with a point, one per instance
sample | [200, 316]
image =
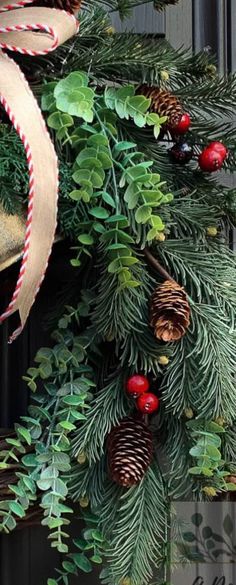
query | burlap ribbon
[32, 31]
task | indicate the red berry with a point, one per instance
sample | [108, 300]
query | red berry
[147, 403]
[218, 147]
[183, 125]
[210, 160]
[136, 385]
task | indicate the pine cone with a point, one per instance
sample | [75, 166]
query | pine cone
[170, 311]
[130, 451]
[68, 5]
[162, 103]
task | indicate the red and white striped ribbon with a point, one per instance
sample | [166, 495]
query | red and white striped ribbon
[17, 33]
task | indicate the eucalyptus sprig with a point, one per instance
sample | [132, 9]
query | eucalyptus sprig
[103, 167]
[206, 452]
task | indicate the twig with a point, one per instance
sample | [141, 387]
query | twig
[156, 265]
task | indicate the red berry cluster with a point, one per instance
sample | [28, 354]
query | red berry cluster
[212, 157]
[181, 152]
[137, 386]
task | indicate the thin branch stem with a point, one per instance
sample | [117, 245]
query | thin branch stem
[156, 265]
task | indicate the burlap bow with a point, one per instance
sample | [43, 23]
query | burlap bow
[32, 31]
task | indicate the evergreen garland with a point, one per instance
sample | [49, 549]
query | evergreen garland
[120, 194]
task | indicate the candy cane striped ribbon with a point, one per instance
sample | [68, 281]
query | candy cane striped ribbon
[32, 31]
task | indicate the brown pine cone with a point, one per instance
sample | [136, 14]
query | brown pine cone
[163, 103]
[130, 450]
[170, 311]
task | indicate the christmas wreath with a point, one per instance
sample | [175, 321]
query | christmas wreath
[141, 365]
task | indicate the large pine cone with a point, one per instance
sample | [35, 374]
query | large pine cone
[130, 449]
[162, 103]
[170, 311]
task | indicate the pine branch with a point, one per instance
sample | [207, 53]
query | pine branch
[156, 265]
[119, 56]
[207, 269]
[214, 97]
[108, 407]
[117, 312]
[134, 531]
[200, 375]
[141, 350]
[88, 481]
[176, 445]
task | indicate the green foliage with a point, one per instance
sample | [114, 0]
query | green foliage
[116, 185]
[89, 549]
[13, 171]
[108, 407]
[133, 530]
[74, 97]
[206, 453]
[52, 416]
[128, 105]
[103, 167]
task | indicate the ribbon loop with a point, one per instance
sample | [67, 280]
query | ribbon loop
[17, 33]
[17, 30]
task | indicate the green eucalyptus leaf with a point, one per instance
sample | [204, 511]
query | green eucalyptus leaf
[110, 97]
[60, 488]
[95, 177]
[75, 262]
[213, 452]
[86, 239]
[75, 195]
[17, 509]
[197, 451]
[157, 222]
[128, 260]
[48, 102]
[82, 562]
[25, 434]
[98, 140]
[143, 214]
[120, 220]
[195, 470]
[99, 212]
[67, 425]
[72, 81]
[123, 145]
[152, 234]
[96, 559]
[108, 199]
[69, 567]
[114, 266]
